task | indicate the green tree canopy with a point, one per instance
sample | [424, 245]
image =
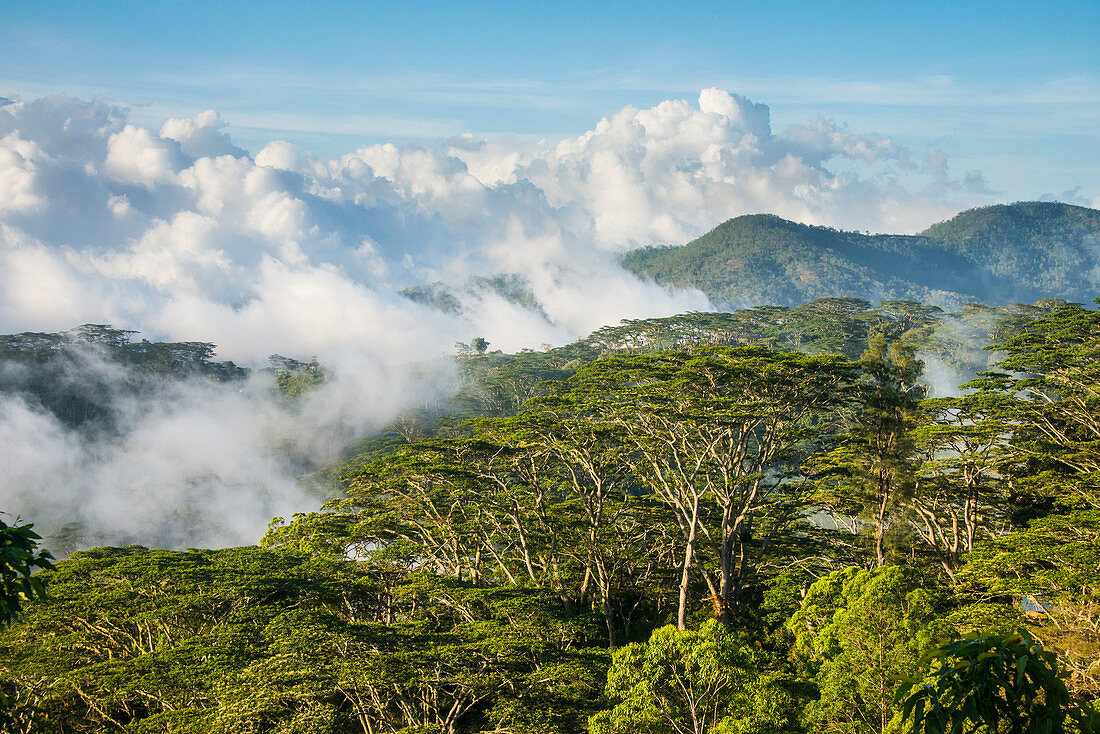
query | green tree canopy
[993, 683]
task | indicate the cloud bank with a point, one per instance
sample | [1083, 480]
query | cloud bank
[179, 233]
[182, 235]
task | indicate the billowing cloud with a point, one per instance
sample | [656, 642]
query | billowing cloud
[135, 155]
[671, 172]
[17, 174]
[154, 228]
[200, 136]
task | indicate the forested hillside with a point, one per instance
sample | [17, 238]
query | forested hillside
[751, 522]
[1044, 247]
[1017, 252]
[78, 375]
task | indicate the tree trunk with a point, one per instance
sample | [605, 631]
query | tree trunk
[880, 522]
[685, 577]
[725, 587]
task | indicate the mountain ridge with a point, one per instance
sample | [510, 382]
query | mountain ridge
[1019, 252]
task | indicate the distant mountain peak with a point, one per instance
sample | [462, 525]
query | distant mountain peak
[1017, 252]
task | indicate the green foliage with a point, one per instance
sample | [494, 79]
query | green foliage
[825, 326]
[1046, 248]
[499, 384]
[1045, 391]
[246, 640]
[764, 259]
[871, 472]
[540, 498]
[79, 375]
[293, 378]
[856, 634]
[448, 298]
[659, 470]
[721, 437]
[19, 557]
[1053, 371]
[992, 683]
[960, 492]
[1052, 564]
[683, 681]
[832, 325]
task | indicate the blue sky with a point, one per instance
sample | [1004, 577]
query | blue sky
[1009, 89]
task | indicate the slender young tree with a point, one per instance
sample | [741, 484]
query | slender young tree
[877, 460]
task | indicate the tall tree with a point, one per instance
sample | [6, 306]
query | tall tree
[720, 436]
[1048, 386]
[1053, 369]
[691, 682]
[876, 461]
[583, 488]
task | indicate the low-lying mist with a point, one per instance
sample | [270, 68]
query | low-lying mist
[191, 461]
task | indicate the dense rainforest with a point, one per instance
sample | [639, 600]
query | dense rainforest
[770, 520]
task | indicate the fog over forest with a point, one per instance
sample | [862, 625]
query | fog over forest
[181, 235]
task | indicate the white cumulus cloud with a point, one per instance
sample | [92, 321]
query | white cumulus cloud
[200, 136]
[135, 155]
